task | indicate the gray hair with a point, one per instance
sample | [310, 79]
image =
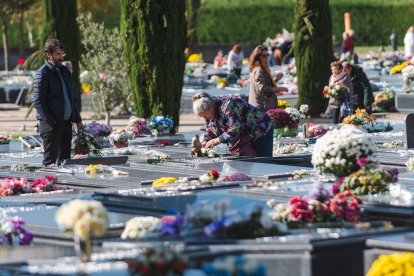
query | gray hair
[202, 102]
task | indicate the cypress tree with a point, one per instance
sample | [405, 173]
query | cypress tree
[60, 22]
[154, 37]
[313, 51]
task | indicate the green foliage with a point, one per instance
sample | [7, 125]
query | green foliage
[154, 37]
[104, 62]
[246, 21]
[60, 22]
[313, 51]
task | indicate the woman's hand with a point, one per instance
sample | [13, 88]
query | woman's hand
[280, 89]
[212, 143]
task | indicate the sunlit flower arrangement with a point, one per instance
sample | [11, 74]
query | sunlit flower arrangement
[283, 104]
[96, 129]
[15, 186]
[120, 137]
[209, 177]
[318, 206]
[366, 181]
[221, 83]
[397, 69]
[313, 130]
[367, 122]
[338, 151]
[161, 123]
[335, 91]
[393, 264]
[280, 118]
[138, 126]
[138, 227]
[12, 232]
[408, 72]
[164, 182]
[294, 114]
[5, 139]
[384, 100]
[85, 144]
[83, 218]
[195, 58]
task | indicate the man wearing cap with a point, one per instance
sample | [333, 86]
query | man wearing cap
[54, 98]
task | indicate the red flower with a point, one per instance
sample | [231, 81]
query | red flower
[214, 174]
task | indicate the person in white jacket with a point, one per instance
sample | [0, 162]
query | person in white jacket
[409, 43]
[235, 61]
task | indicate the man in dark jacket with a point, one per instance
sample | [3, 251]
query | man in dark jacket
[54, 98]
[362, 88]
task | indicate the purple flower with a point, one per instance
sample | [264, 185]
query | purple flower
[215, 226]
[319, 193]
[362, 162]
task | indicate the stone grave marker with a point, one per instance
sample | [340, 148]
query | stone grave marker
[409, 130]
[29, 142]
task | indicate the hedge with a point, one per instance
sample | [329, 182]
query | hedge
[246, 21]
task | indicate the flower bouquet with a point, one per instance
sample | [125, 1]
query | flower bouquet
[120, 137]
[366, 181]
[160, 125]
[367, 122]
[384, 100]
[193, 58]
[335, 91]
[14, 186]
[397, 69]
[4, 143]
[408, 72]
[83, 218]
[393, 264]
[94, 169]
[209, 177]
[84, 144]
[315, 131]
[280, 119]
[316, 207]
[338, 151]
[283, 104]
[96, 129]
[212, 220]
[160, 260]
[138, 126]
[221, 83]
[137, 227]
[13, 233]
[164, 182]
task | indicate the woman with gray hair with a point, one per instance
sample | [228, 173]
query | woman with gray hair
[231, 120]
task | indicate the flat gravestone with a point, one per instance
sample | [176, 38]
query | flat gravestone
[29, 142]
[409, 130]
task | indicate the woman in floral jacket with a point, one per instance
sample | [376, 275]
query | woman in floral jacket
[231, 120]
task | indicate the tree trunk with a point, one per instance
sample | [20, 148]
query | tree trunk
[21, 34]
[60, 22]
[107, 117]
[154, 34]
[5, 28]
[313, 51]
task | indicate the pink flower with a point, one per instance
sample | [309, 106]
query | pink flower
[168, 219]
[362, 162]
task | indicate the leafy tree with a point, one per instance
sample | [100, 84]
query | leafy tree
[60, 22]
[104, 62]
[154, 36]
[313, 51]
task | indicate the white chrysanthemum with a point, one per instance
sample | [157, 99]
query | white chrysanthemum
[340, 150]
[294, 114]
[410, 164]
[83, 218]
[138, 227]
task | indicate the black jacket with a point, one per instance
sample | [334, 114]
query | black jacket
[48, 94]
[362, 87]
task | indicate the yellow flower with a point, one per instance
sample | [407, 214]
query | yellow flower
[92, 169]
[394, 264]
[164, 181]
[283, 104]
[195, 58]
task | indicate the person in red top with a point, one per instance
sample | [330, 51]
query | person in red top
[348, 44]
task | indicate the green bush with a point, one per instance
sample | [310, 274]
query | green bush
[247, 21]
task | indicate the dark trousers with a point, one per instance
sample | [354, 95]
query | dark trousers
[264, 145]
[57, 140]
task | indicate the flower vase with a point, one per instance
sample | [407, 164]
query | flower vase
[83, 249]
[4, 148]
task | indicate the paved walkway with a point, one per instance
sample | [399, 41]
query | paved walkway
[12, 120]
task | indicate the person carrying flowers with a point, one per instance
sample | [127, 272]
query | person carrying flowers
[341, 106]
[231, 120]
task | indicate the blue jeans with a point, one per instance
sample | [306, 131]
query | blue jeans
[264, 145]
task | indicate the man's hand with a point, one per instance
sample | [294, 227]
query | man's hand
[80, 126]
[212, 143]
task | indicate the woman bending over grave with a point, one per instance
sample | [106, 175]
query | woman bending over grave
[247, 130]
